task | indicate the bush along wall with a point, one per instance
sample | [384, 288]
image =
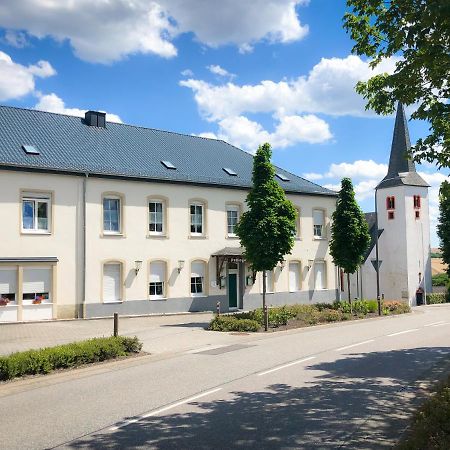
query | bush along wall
[304, 315]
[32, 362]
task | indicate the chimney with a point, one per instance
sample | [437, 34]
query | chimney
[95, 119]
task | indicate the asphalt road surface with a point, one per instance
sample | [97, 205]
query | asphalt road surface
[350, 385]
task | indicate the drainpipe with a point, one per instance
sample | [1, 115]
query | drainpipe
[376, 253]
[83, 247]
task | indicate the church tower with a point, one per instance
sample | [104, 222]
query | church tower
[403, 217]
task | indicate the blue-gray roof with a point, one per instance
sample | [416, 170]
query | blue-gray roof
[66, 144]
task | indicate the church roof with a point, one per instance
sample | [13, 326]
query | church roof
[402, 170]
[371, 219]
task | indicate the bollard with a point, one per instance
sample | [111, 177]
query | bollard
[218, 308]
[266, 317]
[116, 324]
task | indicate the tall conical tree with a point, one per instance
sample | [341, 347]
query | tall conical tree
[267, 229]
[443, 227]
[350, 236]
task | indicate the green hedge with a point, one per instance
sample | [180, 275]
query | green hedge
[440, 279]
[231, 323]
[66, 356]
[437, 297]
[430, 428]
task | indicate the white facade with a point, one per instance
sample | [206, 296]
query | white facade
[59, 269]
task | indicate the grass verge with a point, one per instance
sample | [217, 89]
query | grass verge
[45, 360]
[296, 316]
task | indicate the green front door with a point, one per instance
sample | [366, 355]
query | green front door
[232, 290]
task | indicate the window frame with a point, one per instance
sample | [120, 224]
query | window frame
[323, 226]
[163, 202]
[299, 272]
[36, 197]
[204, 292]
[203, 205]
[228, 208]
[298, 223]
[391, 215]
[417, 201]
[390, 202]
[325, 280]
[164, 295]
[120, 198]
[270, 287]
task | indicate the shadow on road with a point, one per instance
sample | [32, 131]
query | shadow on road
[363, 401]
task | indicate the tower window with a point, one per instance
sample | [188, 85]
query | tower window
[417, 201]
[390, 202]
[417, 214]
[390, 215]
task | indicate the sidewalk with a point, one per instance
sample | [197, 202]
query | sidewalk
[160, 334]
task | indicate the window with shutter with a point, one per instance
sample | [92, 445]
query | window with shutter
[157, 285]
[8, 284]
[319, 275]
[198, 278]
[294, 276]
[318, 221]
[36, 285]
[112, 277]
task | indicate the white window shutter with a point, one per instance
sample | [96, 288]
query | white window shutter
[318, 217]
[319, 275]
[198, 269]
[8, 281]
[111, 282]
[157, 272]
[36, 279]
[294, 276]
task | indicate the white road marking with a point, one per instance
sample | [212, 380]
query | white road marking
[354, 345]
[284, 366]
[403, 332]
[165, 408]
[434, 323]
[440, 324]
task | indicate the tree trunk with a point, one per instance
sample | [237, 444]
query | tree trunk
[349, 294]
[265, 311]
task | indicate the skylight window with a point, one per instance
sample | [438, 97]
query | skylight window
[168, 165]
[229, 171]
[30, 150]
[282, 177]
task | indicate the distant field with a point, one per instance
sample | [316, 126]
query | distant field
[437, 266]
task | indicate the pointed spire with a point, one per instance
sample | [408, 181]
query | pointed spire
[398, 161]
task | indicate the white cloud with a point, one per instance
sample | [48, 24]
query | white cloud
[218, 70]
[15, 38]
[312, 176]
[53, 103]
[358, 169]
[106, 31]
[329, 88]
[17, 80]
[187, 73]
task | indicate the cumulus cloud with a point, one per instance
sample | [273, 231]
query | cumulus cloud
[107, 31]
[53, 103]
[357, 169]
[17, 80]
[220, 71]
[187, 73]
[329, 88]
[15, 38]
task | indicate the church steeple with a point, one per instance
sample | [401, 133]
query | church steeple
[402, 170]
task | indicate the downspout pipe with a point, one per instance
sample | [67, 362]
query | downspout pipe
[377, 260]
[83, 246]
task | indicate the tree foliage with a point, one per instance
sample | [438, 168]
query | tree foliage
[443, 226]
[417, 34]
[350, 237]
[267, 229]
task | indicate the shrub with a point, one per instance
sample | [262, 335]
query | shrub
[395, 307]
[330, 315]
[430, 428]
[232, 323]
[440, 279]
[372, 305]
[436, 297]
[343, 307]
[32, 362]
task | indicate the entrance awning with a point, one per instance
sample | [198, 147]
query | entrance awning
[229, 254]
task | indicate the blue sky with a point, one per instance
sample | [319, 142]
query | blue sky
[245, 72]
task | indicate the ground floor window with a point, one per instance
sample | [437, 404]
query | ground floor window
[198, 269]
[294, 276]
[112, 280]
[270, 281]
[8, 285]
[36, 285]
[319, 275]
[157, 280]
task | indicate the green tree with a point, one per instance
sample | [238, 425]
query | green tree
[417, 34]
[443, 226]
[267, 229]
[350, 236]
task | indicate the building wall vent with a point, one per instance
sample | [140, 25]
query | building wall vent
[95, 119]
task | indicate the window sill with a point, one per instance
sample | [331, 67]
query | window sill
[116, 302]
[298, 238]
[158, 299]
[112, 235]
[37, 304]
[35, 233]
[8, 306]
[199, 296]
[232, 237]
[193, 236]
[316, 238]
[157, 236]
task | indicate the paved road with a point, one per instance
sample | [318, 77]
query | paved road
[350, 385]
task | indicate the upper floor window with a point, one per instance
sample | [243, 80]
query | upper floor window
[157, 285]
[297, 223]
[197, 218]
[318, 222]
[36, 213]
[156, 210]
[232, 219]
[390, 202]
[198, 270]
[417, 201]
[111, 214]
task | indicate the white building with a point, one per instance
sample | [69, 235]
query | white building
[101, 217]
[403, 230]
